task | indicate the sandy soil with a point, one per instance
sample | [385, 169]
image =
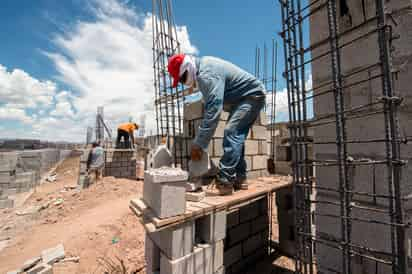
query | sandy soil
[94, 224]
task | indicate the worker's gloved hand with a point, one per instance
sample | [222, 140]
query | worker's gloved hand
[196, 153]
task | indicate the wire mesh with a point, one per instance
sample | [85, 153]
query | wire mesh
[348, 195]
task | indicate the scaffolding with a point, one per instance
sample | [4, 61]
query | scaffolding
[339, 193]
[168, 100]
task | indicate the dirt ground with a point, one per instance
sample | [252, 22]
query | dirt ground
[94, 224]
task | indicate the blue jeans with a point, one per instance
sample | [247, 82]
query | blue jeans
[232, 165]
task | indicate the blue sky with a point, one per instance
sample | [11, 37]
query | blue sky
[60, 59]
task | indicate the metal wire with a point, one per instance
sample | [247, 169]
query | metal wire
[336, 136]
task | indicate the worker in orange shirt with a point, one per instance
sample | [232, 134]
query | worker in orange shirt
[126, 131]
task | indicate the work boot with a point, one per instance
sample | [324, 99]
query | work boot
[241, 183]
[217, 188]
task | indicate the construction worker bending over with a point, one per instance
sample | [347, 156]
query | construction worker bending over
[126, 131]
[223, 86]
[95, 161]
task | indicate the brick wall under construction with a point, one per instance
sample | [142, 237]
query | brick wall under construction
[256, 145]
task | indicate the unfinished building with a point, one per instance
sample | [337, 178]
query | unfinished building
[359, 56]
[349, 205]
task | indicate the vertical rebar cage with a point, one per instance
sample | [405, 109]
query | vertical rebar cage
[349, 215]
[168, 100]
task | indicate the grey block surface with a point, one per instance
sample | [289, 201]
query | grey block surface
[212, 228]
[52, 255]
[195, 196]
[30, 263]
[204, 259]
[175, 242]
[6, 203]
[41, 268]
[164, 191]
[232, 255]
[152, 256]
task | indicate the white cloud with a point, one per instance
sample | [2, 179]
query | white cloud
[19, 89]
[105, 61]
[282, 103]
[12, 113]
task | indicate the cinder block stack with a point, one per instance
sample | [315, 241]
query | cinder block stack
[193, 247]
[256, 149]
[120, 163]
[247, 236]
[21, 171]
[84, 179]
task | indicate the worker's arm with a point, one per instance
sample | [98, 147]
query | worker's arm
[212, 88]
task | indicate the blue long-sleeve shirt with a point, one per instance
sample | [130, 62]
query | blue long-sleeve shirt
[221, 83]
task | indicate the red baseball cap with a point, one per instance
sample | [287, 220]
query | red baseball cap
[174, 67]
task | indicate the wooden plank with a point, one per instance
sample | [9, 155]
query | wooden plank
[257, 190]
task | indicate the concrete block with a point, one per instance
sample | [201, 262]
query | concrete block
[262, 119]
[164, 191]
[232, 218]
[41, 269]
[218, 147]
[254, 174]
[283, 167]
[52, 255]
[259, 162]
[31, 263]
[220, 130]
[248, 160]
[161, 157]
[263, 148]
[283, 153]
[259, 132]
[252, 244]
[196, 196]
[17, 271]
[152, 256]
[251, 147]
[6, 203]
[203, 260]
[238, 233]
[212, 228]
[232, 255]
[260, 224]
[175, 242]
[193, 110]
[249, 212]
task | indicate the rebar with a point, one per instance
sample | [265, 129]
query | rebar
[168, 100]
[335, 118]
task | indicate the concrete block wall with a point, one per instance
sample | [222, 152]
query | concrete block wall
[120, 163]
[22, 170]
[256, 145]
[370, 179]
[247, 234]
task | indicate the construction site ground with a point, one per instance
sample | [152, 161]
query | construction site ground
[94, 224]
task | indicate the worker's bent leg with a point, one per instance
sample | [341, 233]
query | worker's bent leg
[240, 121]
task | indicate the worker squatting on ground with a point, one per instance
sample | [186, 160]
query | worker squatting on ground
[126, 131]
[223, 86]
[95, 161]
